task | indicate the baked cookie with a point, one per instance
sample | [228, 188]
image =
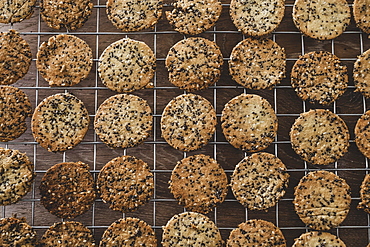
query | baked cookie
[259, 181]
[194, 63]
[361, 74]
[191, 229]
[64, 60]
[71, 14]
[123, 70]
[361, 14]
[322, 200]
[319, 137]
[15, 56]
[125, 183]
[365, 194]
[129, 232]
[66, 234]
[319, 77]
[16, 10]
[60, 122]
[257, 63]
[134, 15]
[194, 16]
[123, 121]
[15, 107]
[322, 19]
[188, 122]
[67, 189]
[315, 238]
[16, 232]
[199, 183]
[249, 122]
[362, 130]
[256, 233]
[16, 176]
[257, 18]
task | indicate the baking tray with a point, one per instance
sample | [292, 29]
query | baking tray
[98, 32]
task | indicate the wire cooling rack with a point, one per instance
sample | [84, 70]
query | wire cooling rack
[98, 32]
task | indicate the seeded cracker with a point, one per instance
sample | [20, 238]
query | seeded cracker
[322, 200]
[361, 74]
[127, 65]
[125, 183]
[199, 183]
[123, 121]
[194, 63]
[362, 133]
[129, 232]
[314, 238]
[15, 57]
[365, 194]
[259, 181]
[60, 122]
[134, 15]
[191, 229]
[361, 14]
[249, 122]
[64, 60]
[71, 14]
[319, 137]
[188, 122]
[257, 18]
[319, 77]
[257, 63]
[256, 233]
[16, 10]
[194, 16]
[16, 176]
[15, 107]
[67, 234]
[321, 19]
[16, 232]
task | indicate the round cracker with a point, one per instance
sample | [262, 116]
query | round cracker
[315, 238]
[123, 121]
[71, 14]
[199, 183]
[16, 175]
[257, 63]
[16, 10]
[15, 107]
[67, 189]
[361, 74]
[249, 122]
[256, 233]
[17, 232]
[15, 57]
[365, 194]
[129, 232]
[259, 181]
[134, 15]
[127, 65]
[257, 18]
[362, 131]
[321, 19]
[319, 77]
[191, 229]
[322, 200]
[194, 63]
[194, 16]
[125, 183]
[64, 60]
[319, 137]
[66, 234]
[361, 14]
[60, 122]
[188, 122]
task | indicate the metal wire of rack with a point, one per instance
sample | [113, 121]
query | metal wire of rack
[99, 33]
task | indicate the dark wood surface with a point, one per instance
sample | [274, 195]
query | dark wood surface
[98, 32]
